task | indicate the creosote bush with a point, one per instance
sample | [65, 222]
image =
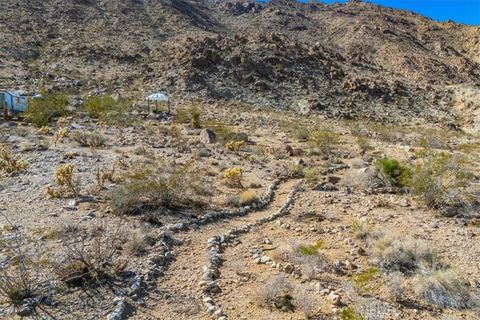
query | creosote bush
[41, 111]
[312, 175]
[323, 141]
[165, 184]
[392, 172]
[440, 180]
[108, 110]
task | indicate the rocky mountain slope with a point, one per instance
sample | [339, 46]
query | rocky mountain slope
[348, 60]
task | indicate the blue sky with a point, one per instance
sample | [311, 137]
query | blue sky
[462, 11]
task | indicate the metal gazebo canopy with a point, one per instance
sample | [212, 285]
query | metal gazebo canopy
[158, 96]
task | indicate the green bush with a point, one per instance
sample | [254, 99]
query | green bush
[323, 140]
[40, 111]
[312, 175]
[440, 180]
[349, 313]
[392, 172]
[105, 108]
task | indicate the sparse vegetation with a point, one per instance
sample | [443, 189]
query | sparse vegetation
[323, 141]
[145, 187]
[235, 146]
[348, 313]
[276, 294]
[246, 197]
[440, 180]
[311, 249]
[91, 255]
[445, 289]
[312, 175]
[9, 163]
[89, 139]
[106, 109]
[364, 280]
[394, 253]
[189, 116]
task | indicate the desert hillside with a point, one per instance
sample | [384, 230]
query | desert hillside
[343, 60]
[313, 162]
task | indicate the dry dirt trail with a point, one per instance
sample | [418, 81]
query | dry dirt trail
[179, 291]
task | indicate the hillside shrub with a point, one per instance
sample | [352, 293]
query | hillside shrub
[440, 180]
[107, 109]
[392, 172]
[147, 186]
[40, 111]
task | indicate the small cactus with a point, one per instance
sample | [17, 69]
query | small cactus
[233, 177]
[235, 146]
[64, 176]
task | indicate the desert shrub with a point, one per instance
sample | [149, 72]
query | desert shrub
[189, 116]
[363, 143]
[306, 303]
[23, 282]
[233, 177]
[276, 294]
[164, 185]
[307, 256]
[435, 139]
[445, 289]
[359, 230]
[363, 280]
[440, 180]
[136, 244]
[41, 111]
[246, 197]
[324, 141]
[395, 286]
[107, 109]
[9, 163]
[348, 313]
[293, 170]
[392, 172]
[223, 132]
[90, 255]
[311, 249]
[394, 253]
[302, 134]
[45, 130]
[65, 178]
[235, 146]
[312, 175]
[89, 139]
